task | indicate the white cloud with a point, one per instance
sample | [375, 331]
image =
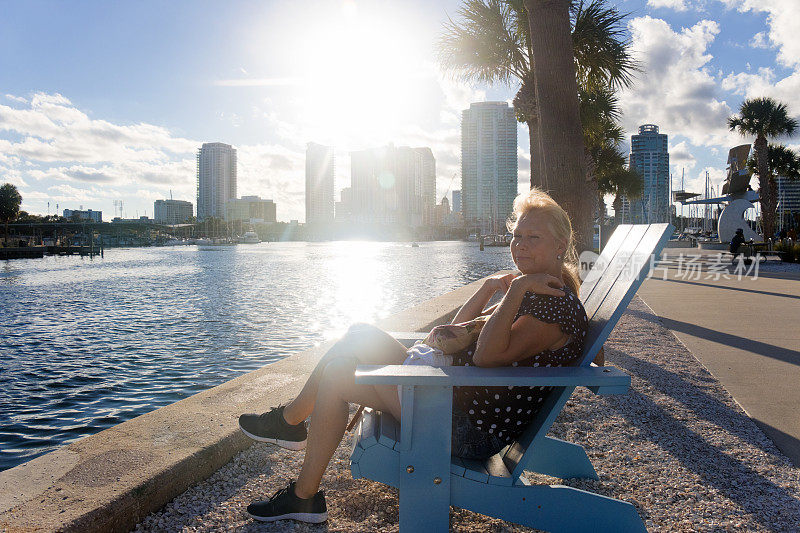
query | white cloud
[16, 99]
[677, 5]
[680, 156]
[760, 40]
[783, 19]
[49, 143]
[677, 90]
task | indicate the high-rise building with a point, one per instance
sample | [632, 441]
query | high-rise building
[250, 209]
[456, 201]
[81, 214]
[788, 196]
[650, 156]
[428, 192]
[216, 179]
[319, 183]
[172, 211]
[392, 185]
[488, 165]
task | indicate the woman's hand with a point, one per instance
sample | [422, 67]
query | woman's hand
[538, 284]
[496, 284]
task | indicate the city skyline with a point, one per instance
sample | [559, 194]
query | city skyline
[87, 119]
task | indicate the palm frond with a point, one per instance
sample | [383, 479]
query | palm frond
[763, 117]
[484, 44]
[601, 45]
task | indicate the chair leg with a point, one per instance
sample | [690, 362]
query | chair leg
[562, 459]
[548, 507]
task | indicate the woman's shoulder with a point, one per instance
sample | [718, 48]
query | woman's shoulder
[565, 310]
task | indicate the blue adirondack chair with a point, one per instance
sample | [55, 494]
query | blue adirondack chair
[414, 455]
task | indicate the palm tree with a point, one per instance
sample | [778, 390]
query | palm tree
[491, 43]
[764, 118]
[10, 200]
[781, 161]
[602, 136]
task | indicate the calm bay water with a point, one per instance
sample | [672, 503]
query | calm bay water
[88, 343]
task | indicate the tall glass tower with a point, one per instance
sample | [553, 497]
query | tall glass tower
[488, 165]
[650, 156]
[216, 179]
[319, 184]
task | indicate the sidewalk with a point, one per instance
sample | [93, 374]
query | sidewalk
[745, 332]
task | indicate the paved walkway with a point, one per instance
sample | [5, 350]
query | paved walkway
[747, 334]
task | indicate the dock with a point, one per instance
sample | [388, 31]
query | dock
[38, 252]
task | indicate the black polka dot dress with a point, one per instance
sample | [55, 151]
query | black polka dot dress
[507, 411]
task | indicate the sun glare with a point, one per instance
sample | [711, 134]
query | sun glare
[360, 75]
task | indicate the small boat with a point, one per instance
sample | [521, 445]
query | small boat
[250, 237]
[414, 245]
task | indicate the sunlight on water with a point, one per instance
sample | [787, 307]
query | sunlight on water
[89, 343]
[359, 286]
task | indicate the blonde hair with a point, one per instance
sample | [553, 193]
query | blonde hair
[558, 223]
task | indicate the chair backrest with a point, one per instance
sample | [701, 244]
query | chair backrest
[605, 293]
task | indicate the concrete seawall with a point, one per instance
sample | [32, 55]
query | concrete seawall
[111, 480]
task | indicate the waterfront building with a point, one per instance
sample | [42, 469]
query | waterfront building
[144, 219]
[216, 179]
[428, 182]
[788, 196]
[319, 184]
[441, 212]
[343, 211]
[650, 156]
[250, 209]
[172, 211]
[392, 185]
[81, 214]
[456, 201]
[488, 165]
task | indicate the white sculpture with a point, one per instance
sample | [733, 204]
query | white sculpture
[732, 218]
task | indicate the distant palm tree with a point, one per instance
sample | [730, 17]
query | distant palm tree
[764, 118]
[10, 200]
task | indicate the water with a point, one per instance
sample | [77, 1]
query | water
[88, 343]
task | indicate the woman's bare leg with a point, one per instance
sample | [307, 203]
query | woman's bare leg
[336, 390]
[365, 343]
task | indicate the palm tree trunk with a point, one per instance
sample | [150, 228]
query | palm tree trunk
[563, 162]
[768, 207]
[773, 201]
[536, 154]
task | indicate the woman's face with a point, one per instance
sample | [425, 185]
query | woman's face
[533, 247]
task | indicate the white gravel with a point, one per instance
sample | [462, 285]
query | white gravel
[677, 446]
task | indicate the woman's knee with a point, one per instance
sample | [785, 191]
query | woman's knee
[339, 373]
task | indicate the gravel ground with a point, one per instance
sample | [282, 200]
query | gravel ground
[677, 446]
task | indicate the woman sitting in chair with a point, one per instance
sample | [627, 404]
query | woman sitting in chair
[539, 322]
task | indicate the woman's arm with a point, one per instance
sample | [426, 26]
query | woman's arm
[475, 305]
[503, 341]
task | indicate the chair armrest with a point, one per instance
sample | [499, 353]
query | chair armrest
[408, 338]
[606, 380]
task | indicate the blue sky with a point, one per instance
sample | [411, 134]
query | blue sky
[104, 101]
